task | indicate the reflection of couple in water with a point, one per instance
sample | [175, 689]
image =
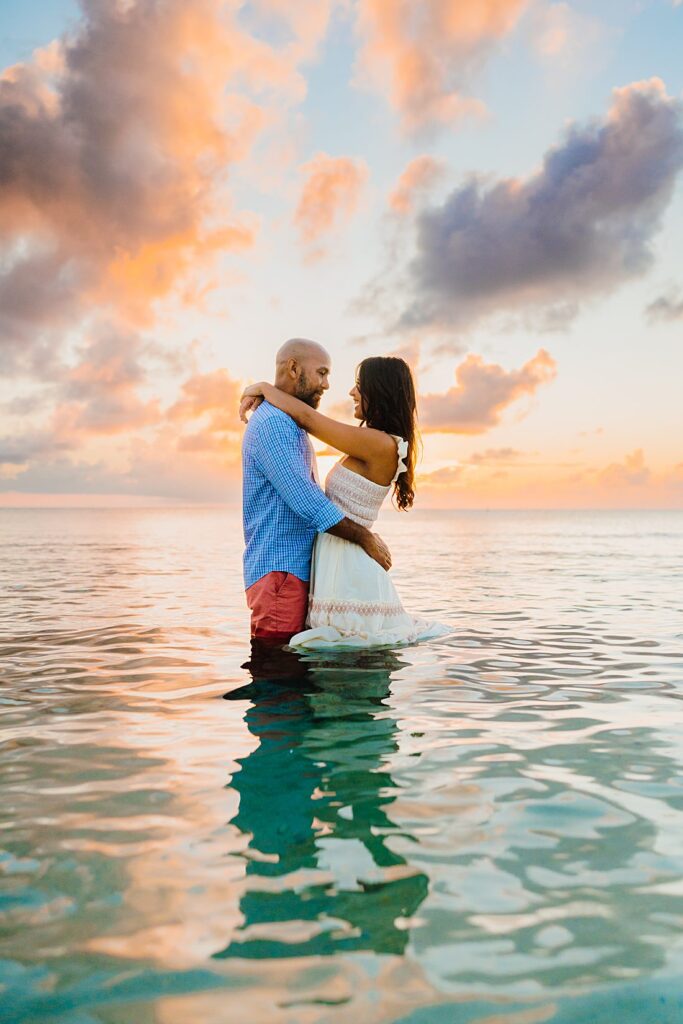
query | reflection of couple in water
[321, 877]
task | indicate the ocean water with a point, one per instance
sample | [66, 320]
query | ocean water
[487, 828]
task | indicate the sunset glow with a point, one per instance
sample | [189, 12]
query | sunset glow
[492, 190]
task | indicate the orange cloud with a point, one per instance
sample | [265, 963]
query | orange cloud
[104, 438]
[100, 392]
[210, 400]
[116, 144]
[330, 193]
[632, 471]
[547, 483]
[424, 52]
[494, 456]
[418, 176]
[482, 393]
[441, 479]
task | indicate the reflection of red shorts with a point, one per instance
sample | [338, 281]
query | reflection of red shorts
[278, 602]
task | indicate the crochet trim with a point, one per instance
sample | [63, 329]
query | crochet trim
[356, 607]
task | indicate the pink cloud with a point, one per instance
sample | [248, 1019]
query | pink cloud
[423, 53]
[104, 438]
[209, 401]
[117, 144]
[329, 196]
[631, 472]
[117, 140]
[483, 391]
[420, 174]
[494, 456]
[548, 483]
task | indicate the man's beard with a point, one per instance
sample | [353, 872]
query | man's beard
[305, 393]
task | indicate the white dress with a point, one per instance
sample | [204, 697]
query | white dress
[353, 601]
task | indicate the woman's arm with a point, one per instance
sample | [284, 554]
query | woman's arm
[364, 443]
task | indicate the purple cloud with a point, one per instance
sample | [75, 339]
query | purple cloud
[579, 226]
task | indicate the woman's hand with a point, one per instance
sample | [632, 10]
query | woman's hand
[248, 405]
[250, 400]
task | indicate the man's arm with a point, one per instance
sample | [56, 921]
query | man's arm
[278, 453]
[371, 543]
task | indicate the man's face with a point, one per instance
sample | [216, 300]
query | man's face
[313, 380]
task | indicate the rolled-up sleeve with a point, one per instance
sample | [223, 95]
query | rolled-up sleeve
[282, 459]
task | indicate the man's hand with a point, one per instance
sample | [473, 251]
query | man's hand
[371, 543]
[248, 404]
[377, 549]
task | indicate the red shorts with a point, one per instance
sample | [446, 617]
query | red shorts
[279, 603]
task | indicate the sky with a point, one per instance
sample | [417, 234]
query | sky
[491, 189]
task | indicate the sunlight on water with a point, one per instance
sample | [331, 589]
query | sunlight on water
[484, 828]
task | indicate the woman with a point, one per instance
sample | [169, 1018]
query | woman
[353, 602]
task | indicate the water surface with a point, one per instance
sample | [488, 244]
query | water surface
[483, 828]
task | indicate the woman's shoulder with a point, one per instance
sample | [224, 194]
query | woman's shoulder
[387, 442]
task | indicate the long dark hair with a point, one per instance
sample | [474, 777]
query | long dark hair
[388, 400]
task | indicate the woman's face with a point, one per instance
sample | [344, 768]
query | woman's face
[357, 401]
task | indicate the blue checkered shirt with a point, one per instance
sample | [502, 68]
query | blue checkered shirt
[283, 505]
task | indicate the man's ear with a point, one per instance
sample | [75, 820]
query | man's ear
[293, 368]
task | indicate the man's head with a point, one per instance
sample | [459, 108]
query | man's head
[302, 369]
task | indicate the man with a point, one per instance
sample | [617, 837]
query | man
[283, 504]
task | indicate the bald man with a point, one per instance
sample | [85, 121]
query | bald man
[283, 505]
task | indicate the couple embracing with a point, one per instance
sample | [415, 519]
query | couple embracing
[315, 574]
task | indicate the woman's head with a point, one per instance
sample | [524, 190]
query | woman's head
[384, 398]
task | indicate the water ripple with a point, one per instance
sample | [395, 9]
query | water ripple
[485, 828]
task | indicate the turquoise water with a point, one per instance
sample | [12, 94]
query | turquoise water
[487, 828]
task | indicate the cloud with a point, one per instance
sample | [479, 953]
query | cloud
[566, 38]
[306, 22]
[423, 53]
[19, 450]
[411, 352]
[210, 402]
[103, 438]
[626, 483]
[552, 29]
[666, 307]
[631, 472]
[420, 174]
[579, 226]
[455, 476]
[441, 479]
[115, 143]
[494, 456]
[99, 395]
[329, 194]
[482, 393]
[118, 145]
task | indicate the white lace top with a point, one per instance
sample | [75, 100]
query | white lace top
[358, 498]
